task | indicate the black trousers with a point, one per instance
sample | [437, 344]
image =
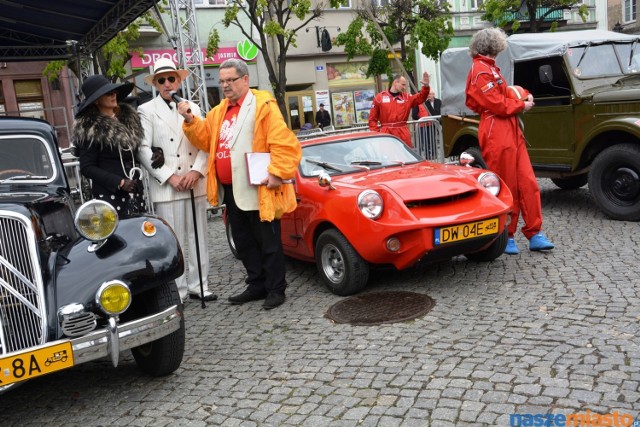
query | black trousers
[259, 247]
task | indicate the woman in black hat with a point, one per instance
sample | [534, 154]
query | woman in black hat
[107, 134]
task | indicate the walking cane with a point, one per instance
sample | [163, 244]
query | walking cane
[195, 230]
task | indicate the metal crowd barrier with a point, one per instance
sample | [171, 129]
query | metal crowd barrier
[426, 136]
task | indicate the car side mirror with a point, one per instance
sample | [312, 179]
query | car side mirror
[466, 159]
[324, 180]
[545, 74]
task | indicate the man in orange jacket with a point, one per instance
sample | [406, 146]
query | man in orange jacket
[391, 108]
[249, 121]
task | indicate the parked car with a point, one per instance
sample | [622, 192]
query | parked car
[78, 284]
[584, 126]
[366, 199]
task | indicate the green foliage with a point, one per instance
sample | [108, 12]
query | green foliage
[509, 14]
[213, 42]
[406, 24]
[53, 69]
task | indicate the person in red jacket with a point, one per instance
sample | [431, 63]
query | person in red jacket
[501, 138]
[391, 108]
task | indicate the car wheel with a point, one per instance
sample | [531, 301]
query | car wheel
[477, 154]
[572, 182]
[614, 182]
[342, 269]
[164, 355]
[493, 251]
[230, 241]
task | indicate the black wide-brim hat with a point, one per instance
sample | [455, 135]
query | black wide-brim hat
[94, 87]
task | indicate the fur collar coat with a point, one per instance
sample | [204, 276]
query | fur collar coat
[94, 128]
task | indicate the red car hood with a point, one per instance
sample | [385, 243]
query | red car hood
[417, 182]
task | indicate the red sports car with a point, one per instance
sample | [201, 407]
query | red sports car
[367, 199]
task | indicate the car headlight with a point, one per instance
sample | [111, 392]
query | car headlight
[113, 297]
[490, 181]
[96, 220]
[370, 204]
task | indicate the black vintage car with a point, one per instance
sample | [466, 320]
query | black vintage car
[78, 284]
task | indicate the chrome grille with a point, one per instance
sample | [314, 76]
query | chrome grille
[22, 316]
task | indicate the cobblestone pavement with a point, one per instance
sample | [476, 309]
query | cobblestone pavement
[531, 333]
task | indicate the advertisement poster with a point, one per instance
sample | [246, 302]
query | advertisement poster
[364, 100]
[343, 109]
[348, 74]
[322, 97]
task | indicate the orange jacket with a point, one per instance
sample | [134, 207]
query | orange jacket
[271, 135]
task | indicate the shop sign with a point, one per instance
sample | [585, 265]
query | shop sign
[152, 55]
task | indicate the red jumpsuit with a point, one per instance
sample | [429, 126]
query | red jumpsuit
[502, 141]
[392, 111]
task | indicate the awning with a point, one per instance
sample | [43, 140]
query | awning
[47, 29]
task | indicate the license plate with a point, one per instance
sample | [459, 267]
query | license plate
[34, 363]
[471, 230]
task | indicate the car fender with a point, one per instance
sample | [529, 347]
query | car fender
[605, 134]
[141, 262]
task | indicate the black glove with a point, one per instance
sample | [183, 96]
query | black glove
[157, 158]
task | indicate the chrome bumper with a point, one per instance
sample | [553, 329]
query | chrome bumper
[113, 339]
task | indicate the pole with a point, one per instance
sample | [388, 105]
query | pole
[195, 230]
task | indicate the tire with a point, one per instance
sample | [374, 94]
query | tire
[571, 183]
[477, 154]
[492, 252]
[162, 356]
[342, 269]
[614, 182]
[230, 241]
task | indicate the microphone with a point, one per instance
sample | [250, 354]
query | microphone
[177, 99]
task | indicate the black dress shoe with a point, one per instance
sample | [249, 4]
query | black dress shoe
[208, 296]
[273, 300]
[247, 296]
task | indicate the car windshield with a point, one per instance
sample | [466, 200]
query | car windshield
[355, 155]
[25, 158]
[603, 60]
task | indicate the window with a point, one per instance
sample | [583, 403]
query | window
[629, 10]
[29, 97]
[210, 3]
[475, 4]
[379, 3]
[345, 4]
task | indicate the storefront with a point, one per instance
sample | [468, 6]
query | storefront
[351, 93]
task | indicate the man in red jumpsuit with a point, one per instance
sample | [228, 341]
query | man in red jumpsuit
[392, 108]
[501, 139]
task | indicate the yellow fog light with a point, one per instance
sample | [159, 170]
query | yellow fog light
[96, 220]
[113, 297]
[148, 229]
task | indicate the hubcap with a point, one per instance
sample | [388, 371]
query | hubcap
[332, 263]
[624, 185]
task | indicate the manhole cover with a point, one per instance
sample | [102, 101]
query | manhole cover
[380, 307]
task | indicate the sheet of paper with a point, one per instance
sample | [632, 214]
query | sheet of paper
[257, 164]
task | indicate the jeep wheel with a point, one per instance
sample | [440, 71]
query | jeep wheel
[614, 182]
[493, 251]
[342, 269]
[477, 154]
[572, 182]
[164, 355]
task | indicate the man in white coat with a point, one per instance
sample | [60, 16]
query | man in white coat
[184, 169]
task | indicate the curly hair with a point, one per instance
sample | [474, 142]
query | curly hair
[488, 42]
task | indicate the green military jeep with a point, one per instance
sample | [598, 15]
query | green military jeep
[585, 126]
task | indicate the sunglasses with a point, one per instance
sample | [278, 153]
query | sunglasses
[172, 79]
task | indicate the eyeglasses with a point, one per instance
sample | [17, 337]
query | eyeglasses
[229, 81]
[172, 79]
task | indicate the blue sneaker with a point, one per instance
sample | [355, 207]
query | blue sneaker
[511, 248]
[539, 242]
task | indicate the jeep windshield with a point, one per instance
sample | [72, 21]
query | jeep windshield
[25, 159]
[604, 60]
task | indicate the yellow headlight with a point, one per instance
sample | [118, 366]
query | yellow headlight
[96, 220]
[113, 297]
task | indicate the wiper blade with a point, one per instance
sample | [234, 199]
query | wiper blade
[366, 163]
[22, 178]
[584, 52]
[324, 165]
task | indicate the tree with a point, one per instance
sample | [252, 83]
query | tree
[404, 22]
[539, 14]
[278, 20]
